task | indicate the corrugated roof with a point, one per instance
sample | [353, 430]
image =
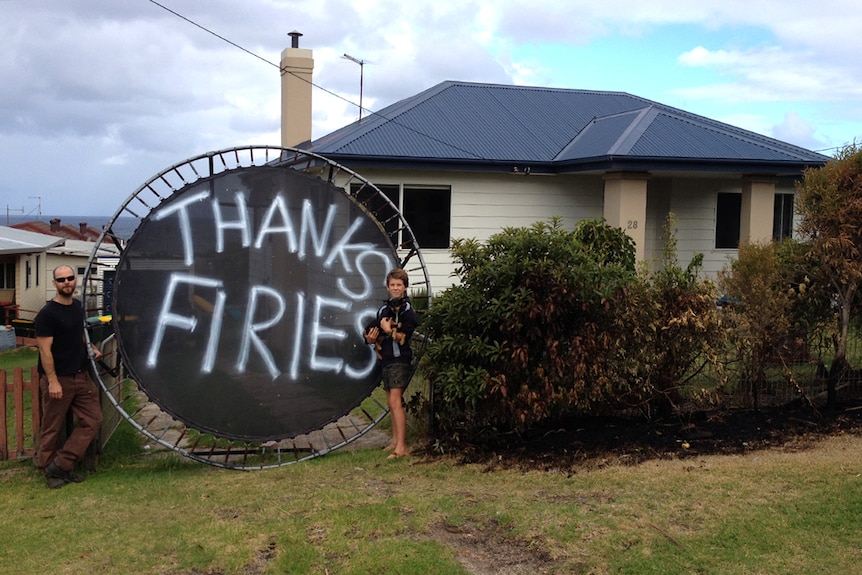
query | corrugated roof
[56, 228]
[82, 248]
[14, 241]
[491, 124]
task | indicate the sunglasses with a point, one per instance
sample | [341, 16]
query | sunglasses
[65, 279]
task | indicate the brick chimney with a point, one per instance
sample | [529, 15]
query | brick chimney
[82, 226]
[55, 225]
[296, 76]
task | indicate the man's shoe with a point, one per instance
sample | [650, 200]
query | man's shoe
[74, 477]
[55, 482]
[52, 471]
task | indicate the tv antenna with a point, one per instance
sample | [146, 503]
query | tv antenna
[39, 208]
[8, 209]
[361, 77]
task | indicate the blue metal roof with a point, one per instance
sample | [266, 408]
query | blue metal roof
[490, 125]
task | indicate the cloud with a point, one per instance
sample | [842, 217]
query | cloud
[117, 160]
[109, 93]
[700, 56]
[794, 129]
[770, 73]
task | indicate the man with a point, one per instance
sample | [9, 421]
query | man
[64, 383]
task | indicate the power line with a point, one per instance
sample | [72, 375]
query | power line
[342, 98]
[330, 92]
[247, 51]
[208, 31]
[836, 148]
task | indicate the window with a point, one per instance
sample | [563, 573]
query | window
[7, 275]
[427, 210]
[782, 218]
[728, 210]
[27, 274]
[38, 268]
[381, 209]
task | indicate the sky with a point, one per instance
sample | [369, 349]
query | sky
[98, 96]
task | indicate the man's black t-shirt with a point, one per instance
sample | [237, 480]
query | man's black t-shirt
[65, 323]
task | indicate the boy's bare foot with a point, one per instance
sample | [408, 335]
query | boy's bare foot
[396, 455]
[389, 447]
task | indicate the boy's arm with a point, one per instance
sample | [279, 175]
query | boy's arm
[409, 322]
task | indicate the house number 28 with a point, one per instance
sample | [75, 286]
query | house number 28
[632, 225]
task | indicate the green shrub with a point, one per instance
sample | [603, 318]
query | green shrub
[528, 336]
[546, 324]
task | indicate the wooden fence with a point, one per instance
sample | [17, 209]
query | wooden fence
[22, 412]
[18, 388]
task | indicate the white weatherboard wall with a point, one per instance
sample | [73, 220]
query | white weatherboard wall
[484, 204]
[693, 201]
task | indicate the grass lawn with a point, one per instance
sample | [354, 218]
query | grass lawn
[24, 357]
[20, 357]
[355, 512]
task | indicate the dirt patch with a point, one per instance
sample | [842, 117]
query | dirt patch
[259, 563]
[589, 443]
[490, 550]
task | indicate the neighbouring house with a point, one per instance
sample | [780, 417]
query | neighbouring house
[464, 159]
[27, 260]
[24, 281]
[55, 227]
[75, 252]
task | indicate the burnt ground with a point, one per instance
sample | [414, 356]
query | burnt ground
[589, 443]
[600, 441]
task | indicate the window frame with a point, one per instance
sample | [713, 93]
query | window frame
[7, 275]
[402, 196]
[782, 216]
[425, 228]
[728, 214]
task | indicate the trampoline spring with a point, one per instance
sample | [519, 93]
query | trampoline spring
[180, 438]
[341, 432]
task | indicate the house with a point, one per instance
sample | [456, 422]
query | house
[75, 252]
[55, 227]
[464, 159]
[23, 270]
[27, 260]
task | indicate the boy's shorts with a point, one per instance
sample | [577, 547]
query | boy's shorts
[396, 375]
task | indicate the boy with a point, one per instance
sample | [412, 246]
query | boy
[396, 321]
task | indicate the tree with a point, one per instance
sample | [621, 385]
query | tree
[759, 312]
[673, 329]
[829, 199]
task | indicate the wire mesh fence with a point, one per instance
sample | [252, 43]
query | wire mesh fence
[799, 374]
